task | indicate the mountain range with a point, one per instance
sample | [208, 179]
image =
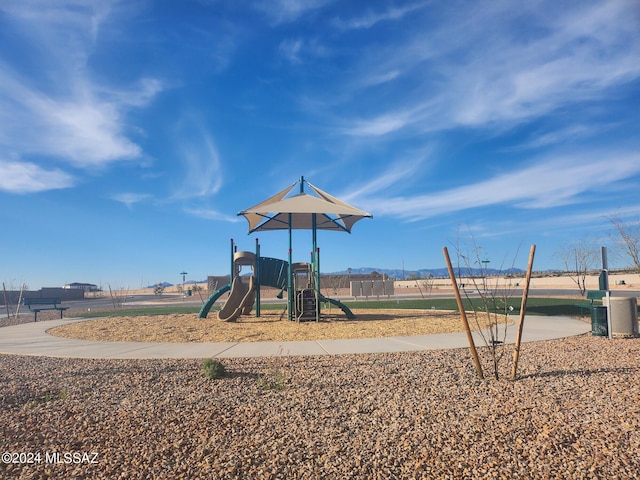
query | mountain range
[400, 274]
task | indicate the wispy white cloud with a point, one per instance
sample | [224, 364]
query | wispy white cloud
[378, 126]
[200, 161]
[58, 109]
[290, 49]
[593, 220]
[299, 50]
[139, 95]
[398, 172]
[377, 78]
[80, 129]
[26, 177]
[285, 11]
[209, 214]
[551, 182]
[476, 80]
[372, 18]
[410, 117]
[130, 199]
[572, 133]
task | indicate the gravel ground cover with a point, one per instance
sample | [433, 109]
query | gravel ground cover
[574, 412]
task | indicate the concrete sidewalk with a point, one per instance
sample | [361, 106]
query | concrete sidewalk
[33, 339]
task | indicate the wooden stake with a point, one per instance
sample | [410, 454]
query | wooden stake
[6, 300]
[523, 307]
[20, 300]
[463, 314]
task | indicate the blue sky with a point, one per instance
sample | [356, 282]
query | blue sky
[132, 132]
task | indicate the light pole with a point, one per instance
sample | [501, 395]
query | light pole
[484, 273]
[184, 276]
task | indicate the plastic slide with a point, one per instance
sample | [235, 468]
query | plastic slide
[249, 299]
[240, 299]
[204, 311]
[341, 305]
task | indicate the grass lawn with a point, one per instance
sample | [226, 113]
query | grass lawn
[535, 306]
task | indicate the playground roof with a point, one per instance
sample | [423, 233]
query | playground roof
[303, 211]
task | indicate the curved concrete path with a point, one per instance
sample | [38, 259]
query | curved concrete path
[33, 339]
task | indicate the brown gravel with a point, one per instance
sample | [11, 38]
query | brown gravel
[573, 413]
[268, 327]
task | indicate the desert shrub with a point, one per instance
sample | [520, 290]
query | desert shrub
[213, 369]
[274, 378]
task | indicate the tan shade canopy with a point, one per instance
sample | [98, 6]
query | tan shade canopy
[303, 211]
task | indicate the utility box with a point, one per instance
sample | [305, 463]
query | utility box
[624, 316]
[599, 327]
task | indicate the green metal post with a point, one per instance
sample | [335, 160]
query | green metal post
[314, 241]
[314, 229]
[318, 281]
[256, 273]
[232, 269]
[289, 282]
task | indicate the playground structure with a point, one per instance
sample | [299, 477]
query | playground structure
[269, 272]
[301, 281]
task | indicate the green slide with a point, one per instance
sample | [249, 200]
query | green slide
[341, 305]
[204, 311]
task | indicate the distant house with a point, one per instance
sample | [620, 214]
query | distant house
[87, 287]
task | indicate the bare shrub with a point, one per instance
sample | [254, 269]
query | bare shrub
[488, 298]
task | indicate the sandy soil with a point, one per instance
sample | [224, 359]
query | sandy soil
[269, 327]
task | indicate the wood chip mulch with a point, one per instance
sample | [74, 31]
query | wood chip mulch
[270, 326]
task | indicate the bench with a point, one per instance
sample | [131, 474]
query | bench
[591, 296]
[596, 295]
[39, 304]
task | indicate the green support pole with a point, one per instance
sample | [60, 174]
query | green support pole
[314, 252]
[289, 279]
[256, 273]
[314, 234]
[318, 284]
[232, 272]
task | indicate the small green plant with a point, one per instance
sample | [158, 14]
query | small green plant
[213, 369]
[275, 378]
[42, 398]
[271, 381]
